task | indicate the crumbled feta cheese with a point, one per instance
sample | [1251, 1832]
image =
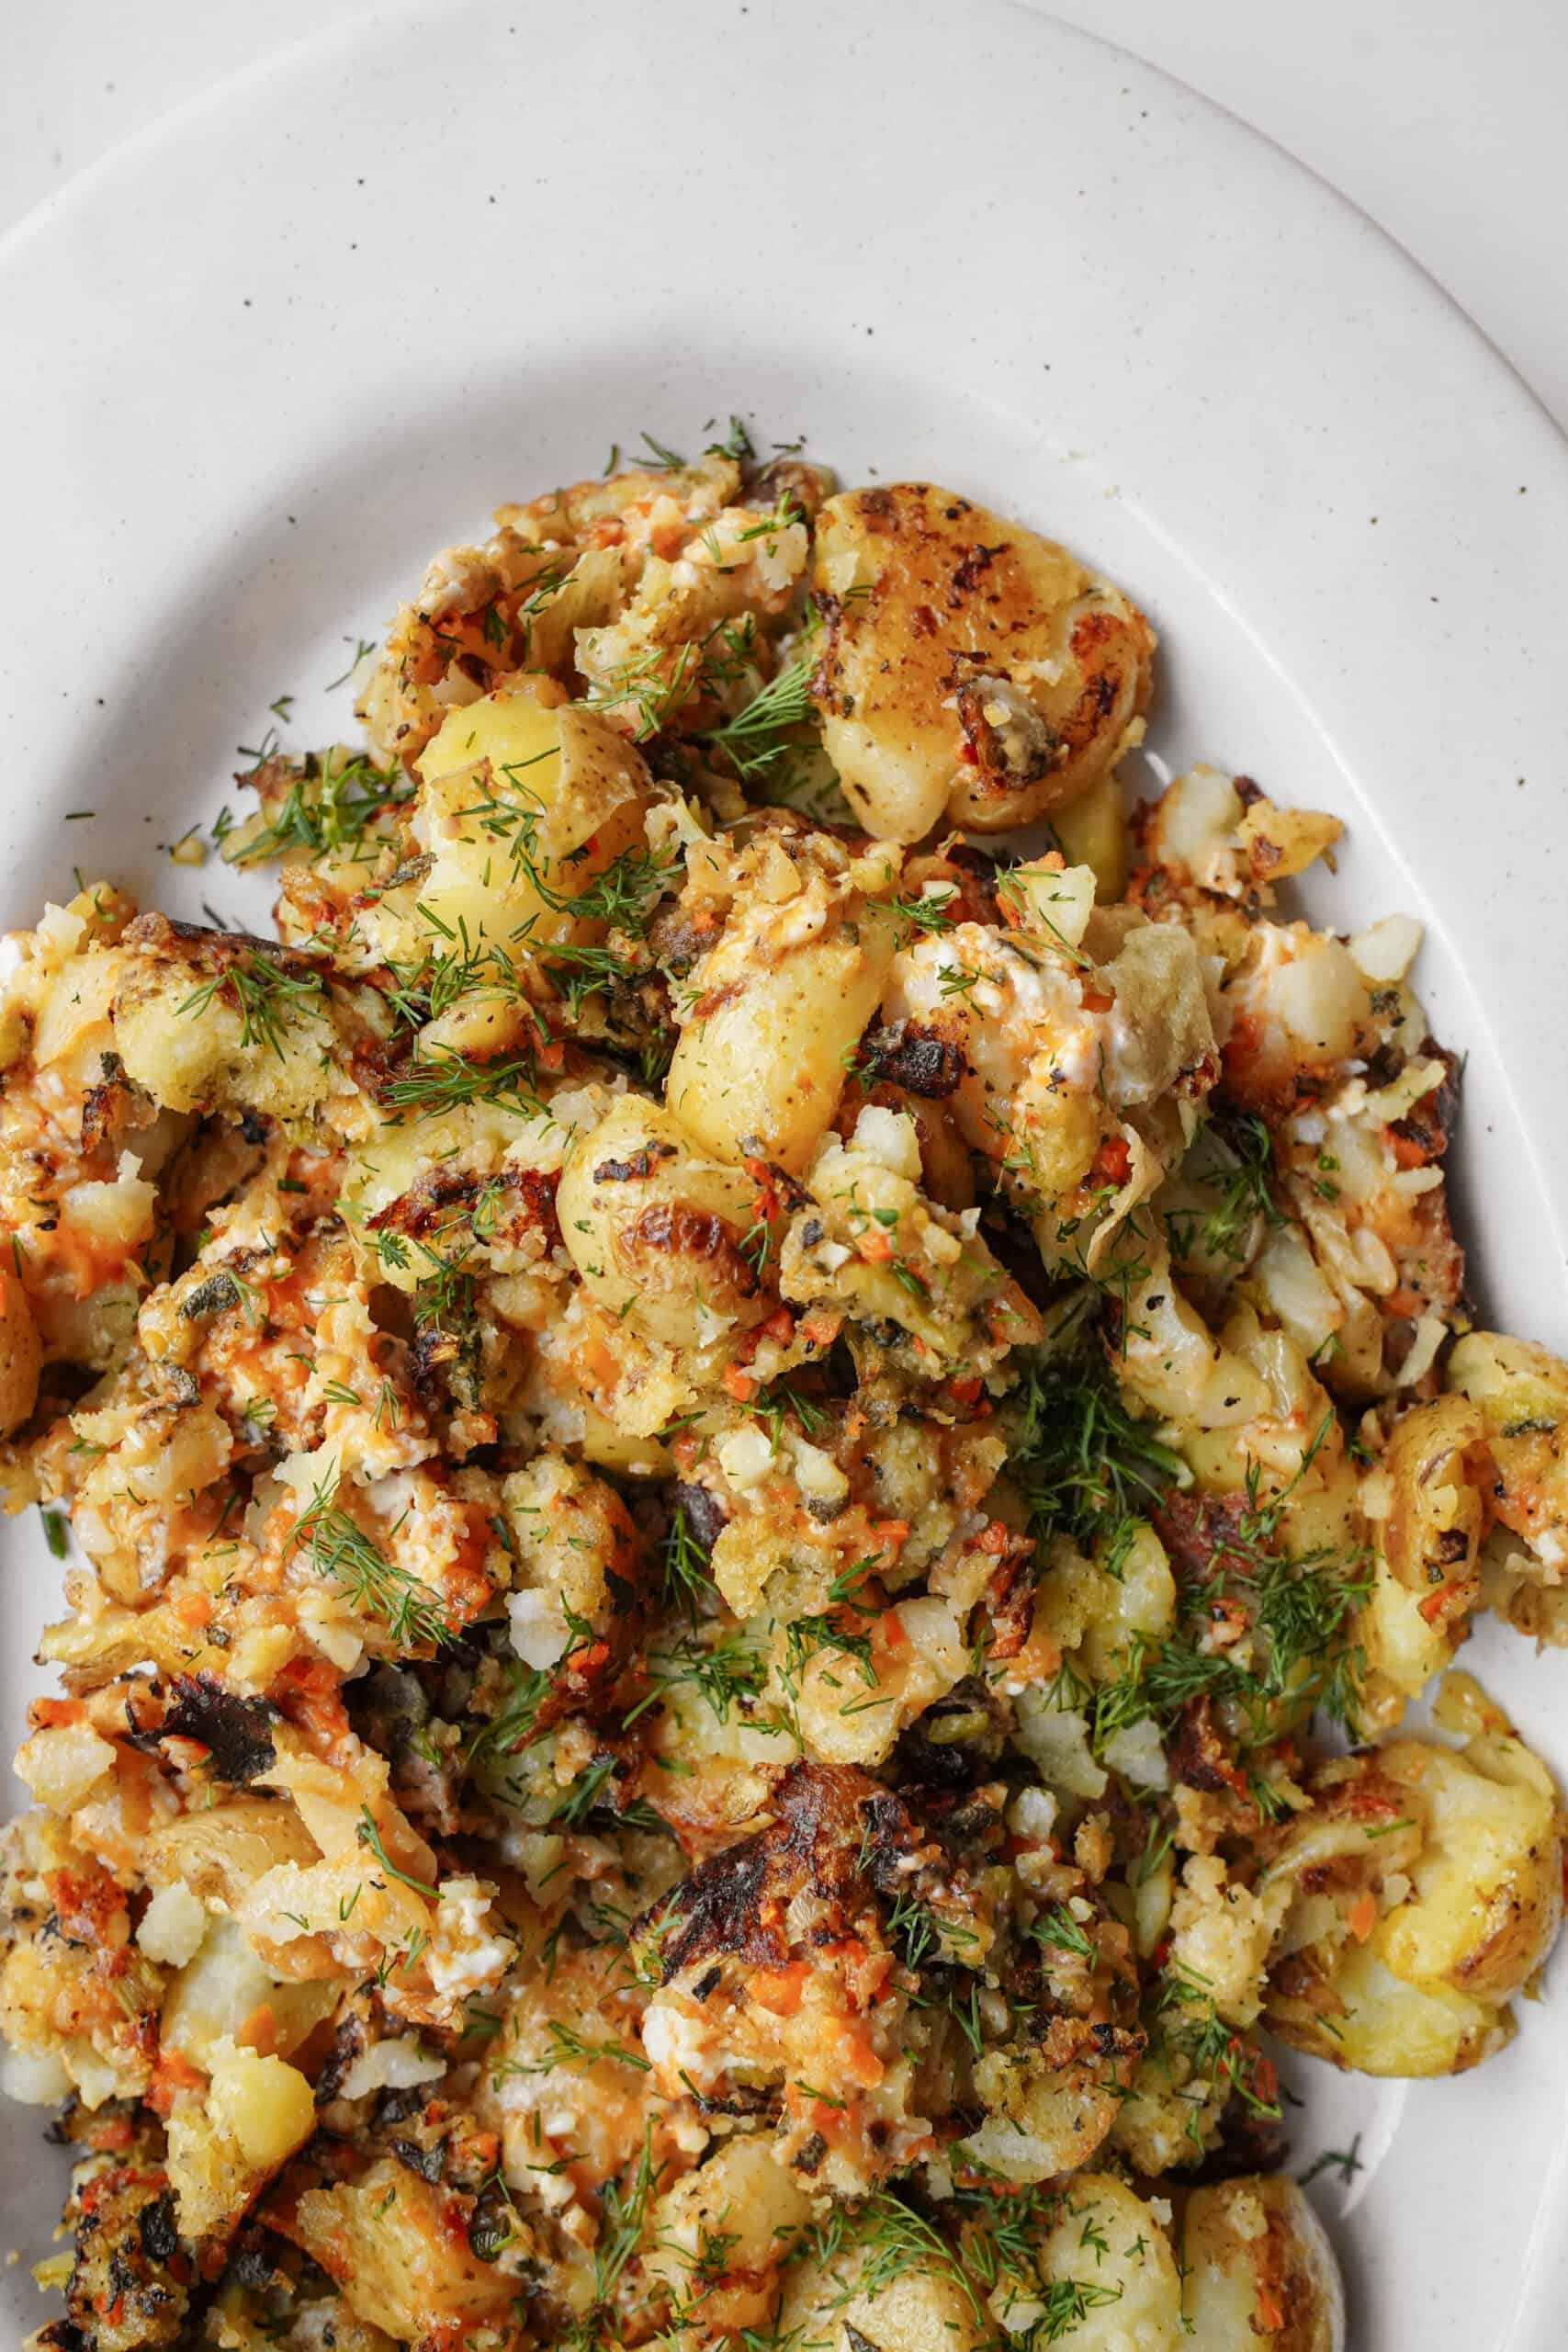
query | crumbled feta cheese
[463, 1956]
[890, 1136]
[539, 1630]
[1032, 1815]
[817, 1474]
[395, 2066]
[745, 1456]
[1137, 1754]
[174, 1927]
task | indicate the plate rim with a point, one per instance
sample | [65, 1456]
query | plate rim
[1443, 315]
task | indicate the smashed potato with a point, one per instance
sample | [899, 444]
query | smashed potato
[739, 1489]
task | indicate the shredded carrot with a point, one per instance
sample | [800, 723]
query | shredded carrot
[1112, 1162]
[1362, 1916]
[172, 2073]
[45, 1714]
[259, 2032]
[111, 2135]
[738, 1385]
[1430, 1607]
[778, 1990]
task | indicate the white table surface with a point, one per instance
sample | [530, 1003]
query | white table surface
[1445, 120]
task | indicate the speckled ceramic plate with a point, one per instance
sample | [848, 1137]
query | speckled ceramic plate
[265, 359]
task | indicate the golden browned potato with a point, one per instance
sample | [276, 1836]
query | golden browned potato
[21, 1354]
[1256, 2265]
[780, 1000]
[1520, 1392]
[972, 669]
[1105, 2262]
[655, 1228]
[1428, 1891]
[386, 2241]
[523, 799]
[920, 2304]
[1435, 1459]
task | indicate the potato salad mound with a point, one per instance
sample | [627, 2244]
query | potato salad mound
[749, 1485]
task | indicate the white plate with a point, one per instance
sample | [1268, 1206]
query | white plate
[269, 357]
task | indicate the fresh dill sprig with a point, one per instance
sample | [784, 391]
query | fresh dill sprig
[376, 1587]
[328, 807]
[268, 998]
[368, 1834]
[1087, 1468]
[762, 733]
[441, 1078]
[686, 1580]
[517, 1722]
[723, 1673]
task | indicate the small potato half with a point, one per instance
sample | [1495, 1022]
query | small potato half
[1428, 1891]
[972, 670]
[655, 1228]
[1258, 2268]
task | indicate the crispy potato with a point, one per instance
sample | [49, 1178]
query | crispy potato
[21, 1354]
[1401, 1648]
[655, 1226]
[208, 1020]
[1428, 1890]
[256, 2111]
[1093, 830]
[1109, 2245]
[1256, 2264]
[1435, 1459]
[385, 2241]
[919, 2304]
[779, 1000]
[1520, 1392]
[972, 669]
[524, 799]
[721, 2233]
[576, 1553]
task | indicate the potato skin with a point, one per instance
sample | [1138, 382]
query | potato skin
[1428, 1890]
[1520, 1392]
[972, 669]
[384, 2241]
[1256, 2264]
[21, 1356]
[1432, 1541]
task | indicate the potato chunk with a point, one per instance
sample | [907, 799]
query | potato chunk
[21, 1356]
[385, 2241]
[523, 799]
[1257, 2264]
[655, 1228]
[972, 669]
[1428, 1890]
